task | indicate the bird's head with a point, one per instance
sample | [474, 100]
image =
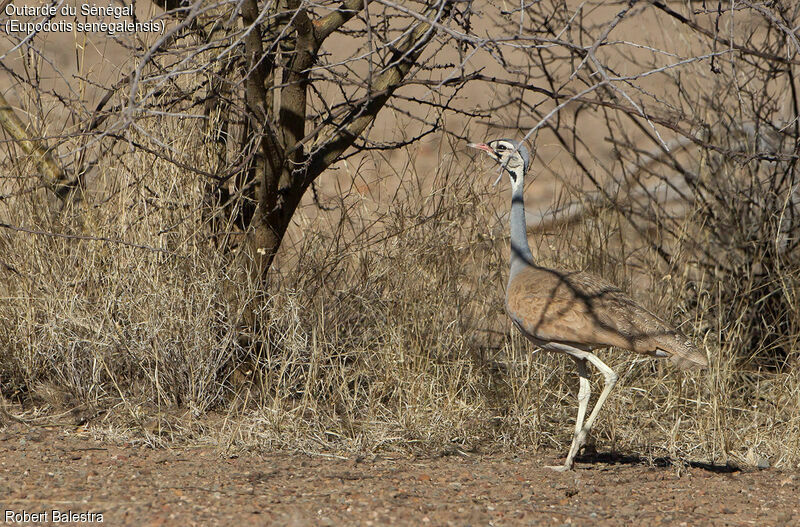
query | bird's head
[512, 155]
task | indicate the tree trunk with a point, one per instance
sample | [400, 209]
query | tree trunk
[287, 171]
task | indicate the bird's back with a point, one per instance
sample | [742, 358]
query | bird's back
[584, 311]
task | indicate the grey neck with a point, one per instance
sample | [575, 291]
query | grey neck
[521, 255]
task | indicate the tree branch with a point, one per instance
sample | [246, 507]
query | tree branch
[55, 178]
[330, 23]
[295, 91]
[342, 137]
[722, 40]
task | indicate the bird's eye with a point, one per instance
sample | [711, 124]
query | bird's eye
[500, 148]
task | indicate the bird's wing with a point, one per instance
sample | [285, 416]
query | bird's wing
[586, 311]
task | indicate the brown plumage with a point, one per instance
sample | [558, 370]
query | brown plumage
[574, 312]
[584, 311]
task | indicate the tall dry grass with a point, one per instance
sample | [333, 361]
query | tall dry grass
[384, 327]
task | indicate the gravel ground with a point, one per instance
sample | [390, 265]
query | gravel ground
[47, 469]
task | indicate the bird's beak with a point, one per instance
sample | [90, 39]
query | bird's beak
[481, 146]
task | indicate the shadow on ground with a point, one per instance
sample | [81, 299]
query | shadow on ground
[615, 458]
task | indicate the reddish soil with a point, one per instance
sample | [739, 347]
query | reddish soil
[53, 468]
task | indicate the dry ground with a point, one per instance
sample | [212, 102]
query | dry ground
[45, 468]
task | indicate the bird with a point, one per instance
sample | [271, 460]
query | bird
[576, 312]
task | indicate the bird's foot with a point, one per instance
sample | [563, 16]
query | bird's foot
[559, 468]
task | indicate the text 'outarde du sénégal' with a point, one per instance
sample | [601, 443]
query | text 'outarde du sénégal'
[111, 11]
[113, 24]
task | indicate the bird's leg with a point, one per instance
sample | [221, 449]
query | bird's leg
[610, 381]
[584, 394]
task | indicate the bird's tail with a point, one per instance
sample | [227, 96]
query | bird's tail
[685, 355]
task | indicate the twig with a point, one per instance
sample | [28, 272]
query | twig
[81, 237]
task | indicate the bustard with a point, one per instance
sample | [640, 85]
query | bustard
[574, 312]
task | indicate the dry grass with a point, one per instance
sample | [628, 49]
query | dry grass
[384, 330]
